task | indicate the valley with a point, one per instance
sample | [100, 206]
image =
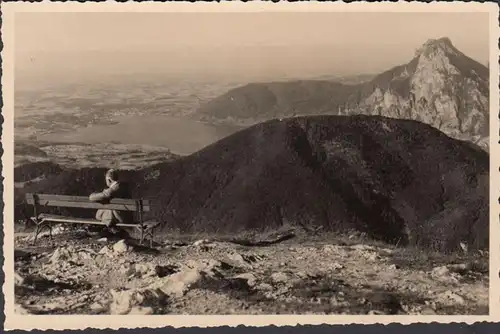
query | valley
[114, 122]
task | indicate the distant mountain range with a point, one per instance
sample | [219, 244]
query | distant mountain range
[440, 86]
[401, 181]
[347, 79]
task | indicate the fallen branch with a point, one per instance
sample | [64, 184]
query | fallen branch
[267, 242]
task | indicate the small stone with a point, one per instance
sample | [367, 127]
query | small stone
[144, 270]
[279, 277]
[336, 266]
[361, 247]
[126, 270]
[250, 278]
[393, 267]
[133, 301]
[140, 310]
[121, 303]
[440, 271]
[329, 248]
[265, 287]
[178, 283]
[315, 274]
[198, 243]
[302, 274]
[449, 296]
[236, 260]
[386, 251]
[315, 300]
[121, 247]
[459, 268]
[97, 307]
[102, 240]
[334, 301]
[59, 254]
[19, 280]
[106, 251]
[427, 311]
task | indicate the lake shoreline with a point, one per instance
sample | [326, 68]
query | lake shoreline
[181, 135]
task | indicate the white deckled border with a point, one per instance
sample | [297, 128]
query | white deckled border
[28, 322]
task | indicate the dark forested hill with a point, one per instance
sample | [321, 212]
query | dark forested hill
[398, 180]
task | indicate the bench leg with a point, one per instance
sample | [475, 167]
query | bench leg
[151, 233]
[27, 223]
[145, 233]
[39, 227]
[142, 235]
[37, 231]
[50, 231]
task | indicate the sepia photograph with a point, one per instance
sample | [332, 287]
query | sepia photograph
[251, 162]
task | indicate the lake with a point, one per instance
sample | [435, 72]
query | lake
[181, 135]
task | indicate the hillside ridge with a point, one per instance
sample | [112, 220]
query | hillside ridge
[400, 181]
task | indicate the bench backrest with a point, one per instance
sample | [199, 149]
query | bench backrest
[119, 204]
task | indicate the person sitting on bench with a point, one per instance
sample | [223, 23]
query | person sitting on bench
[116, 189]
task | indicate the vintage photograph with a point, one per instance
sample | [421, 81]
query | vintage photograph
[252, 163]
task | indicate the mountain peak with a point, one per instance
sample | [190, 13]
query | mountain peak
[441, 86]
[440, 41]
[433, 46]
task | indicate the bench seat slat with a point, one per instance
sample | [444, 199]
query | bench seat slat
[87, 205]
[84, 202]
[65, 219]
[68, 198]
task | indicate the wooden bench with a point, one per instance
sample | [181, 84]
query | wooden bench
[42, 220]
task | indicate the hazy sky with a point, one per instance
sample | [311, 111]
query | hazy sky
[267, 43]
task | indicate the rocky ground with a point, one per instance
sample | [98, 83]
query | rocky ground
[82, 273]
